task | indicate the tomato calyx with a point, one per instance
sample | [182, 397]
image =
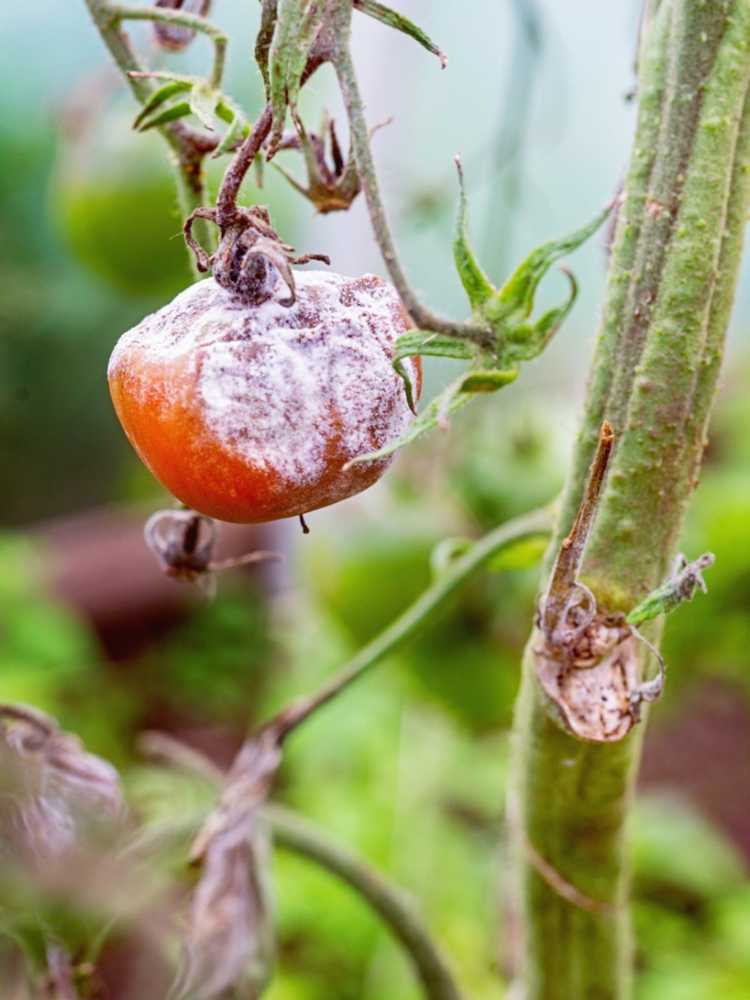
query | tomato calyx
[250, 257]
[331, 187]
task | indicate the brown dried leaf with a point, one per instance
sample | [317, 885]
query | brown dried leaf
[229, 938]
[51, 784]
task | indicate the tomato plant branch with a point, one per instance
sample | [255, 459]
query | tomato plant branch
[533, 525]
[672, 276]
[122, 12]
[291, 832]
[422, 317]
[391, 903]
[226, 202]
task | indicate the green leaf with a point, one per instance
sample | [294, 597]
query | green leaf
[158, 97]
[238, 129]
[517, 294]
[418, 342]
[529, 340]
[478, 287]
[679, 588]
[170, 114]
[449, 401]
[203, 101]
[395, 20]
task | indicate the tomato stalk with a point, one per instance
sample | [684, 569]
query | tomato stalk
[672, 276]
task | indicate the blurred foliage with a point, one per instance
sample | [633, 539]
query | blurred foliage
[114, 196]
[408, 767]
[56, 425]
[213, 667]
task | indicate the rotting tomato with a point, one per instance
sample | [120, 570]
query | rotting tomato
[250, 412]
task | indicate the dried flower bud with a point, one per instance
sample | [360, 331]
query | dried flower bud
[331, 187]
[175, 37]
[183, 542]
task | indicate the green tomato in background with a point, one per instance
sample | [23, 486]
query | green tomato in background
[114, 195]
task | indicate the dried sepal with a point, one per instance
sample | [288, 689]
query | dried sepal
[331, 186]
[250, 257]
[229, 940]
[585, 657]
[184, 542]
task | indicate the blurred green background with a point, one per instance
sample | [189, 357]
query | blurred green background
[409, 767]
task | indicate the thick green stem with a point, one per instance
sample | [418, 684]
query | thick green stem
[671, 283]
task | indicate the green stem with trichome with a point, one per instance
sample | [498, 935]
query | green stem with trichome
[422, 317]
[671, 282]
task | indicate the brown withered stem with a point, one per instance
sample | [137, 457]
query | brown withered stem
[564, 575]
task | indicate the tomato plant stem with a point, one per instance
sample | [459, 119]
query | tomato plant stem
[422, 317]
[122, 12]
[533, 525]
[671, 284]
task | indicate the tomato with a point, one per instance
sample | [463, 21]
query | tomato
[115, 199]
[250, 413]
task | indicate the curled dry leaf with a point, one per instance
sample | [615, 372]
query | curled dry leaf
[52, 785]
[228, 941]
